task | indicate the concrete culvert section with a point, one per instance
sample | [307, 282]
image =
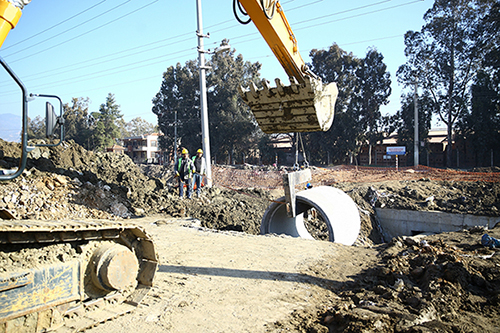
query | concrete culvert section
[337, 210]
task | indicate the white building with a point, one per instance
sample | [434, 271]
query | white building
[143, 148]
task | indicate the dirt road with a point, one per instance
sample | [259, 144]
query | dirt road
[212, 281]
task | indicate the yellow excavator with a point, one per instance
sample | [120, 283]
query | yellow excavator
[65, 276]
[88, 272]
[306, 105]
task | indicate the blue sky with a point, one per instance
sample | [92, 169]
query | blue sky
[95, 47]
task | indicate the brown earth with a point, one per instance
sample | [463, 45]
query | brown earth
[231, 280]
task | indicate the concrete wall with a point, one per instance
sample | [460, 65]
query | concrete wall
[407, 223]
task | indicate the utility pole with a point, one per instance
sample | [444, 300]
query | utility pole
[415, 140]
[205, 136]
[175, 138]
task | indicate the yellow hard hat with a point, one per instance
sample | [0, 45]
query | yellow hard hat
[184, 151]
[199, 151]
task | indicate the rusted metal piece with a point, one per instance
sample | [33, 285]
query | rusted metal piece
[15, 280]
[52, 285]
[289, 181]
[56, 297]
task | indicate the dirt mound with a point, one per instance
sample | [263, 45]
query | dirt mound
[445, 283]
[475, 198]
[68, 181]
[439, 283]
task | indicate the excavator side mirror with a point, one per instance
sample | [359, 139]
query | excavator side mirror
[50, 120]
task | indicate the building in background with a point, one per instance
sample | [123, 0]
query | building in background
[116, 149]
[144, 148]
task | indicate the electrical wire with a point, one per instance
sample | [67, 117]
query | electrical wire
[87, 32]
[65, 31]
[54, 26]
[242, 36]
[247, 35]
[359, 15]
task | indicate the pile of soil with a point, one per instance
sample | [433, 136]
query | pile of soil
[67, 182]
[445, 283]
[439, 283]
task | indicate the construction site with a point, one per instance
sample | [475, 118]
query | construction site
[214, 270]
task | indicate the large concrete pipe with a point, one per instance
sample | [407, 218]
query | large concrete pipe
[336, 208]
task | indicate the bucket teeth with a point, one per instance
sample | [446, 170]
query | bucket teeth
[298, 107]
[279, 87]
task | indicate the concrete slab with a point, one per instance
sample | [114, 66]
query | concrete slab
[396, 222]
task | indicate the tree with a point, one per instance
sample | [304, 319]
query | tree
[233, 129]
[443, 57]
[178, 98]
[106, 130]
[364, 85]
[139, 126]
[481, 127]
[76, 121]
[403, 122]
[341, 140]
[36, 128]
[231, 124]
[374, 89]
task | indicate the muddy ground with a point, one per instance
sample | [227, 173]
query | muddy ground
[441, 283]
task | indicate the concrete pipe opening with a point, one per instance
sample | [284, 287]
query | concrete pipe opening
[336, 209]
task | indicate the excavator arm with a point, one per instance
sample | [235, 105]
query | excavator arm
[306, 105]
[274, 27]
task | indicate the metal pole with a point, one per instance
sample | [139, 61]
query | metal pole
[203, 97]
[175, 138]
[415, 143]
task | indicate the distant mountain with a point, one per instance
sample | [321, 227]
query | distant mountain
[10, 127]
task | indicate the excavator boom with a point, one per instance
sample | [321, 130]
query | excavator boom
[306, 105]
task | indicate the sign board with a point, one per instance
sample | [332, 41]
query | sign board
[401, 150]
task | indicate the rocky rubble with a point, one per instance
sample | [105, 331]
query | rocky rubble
[438, 283]
[69, 182]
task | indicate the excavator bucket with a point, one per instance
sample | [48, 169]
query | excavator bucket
[305, 107]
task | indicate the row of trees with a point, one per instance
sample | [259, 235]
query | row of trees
[94, 130]
[231, 124]
[454, 61]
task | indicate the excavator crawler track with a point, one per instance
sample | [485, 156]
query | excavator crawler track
[66, 276]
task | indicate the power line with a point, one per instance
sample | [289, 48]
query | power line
[241, 42]
[54, 26]
[65, 31]
[120, 68]
[87, 32]
[221, 23]
[359, 15]
[342, 12]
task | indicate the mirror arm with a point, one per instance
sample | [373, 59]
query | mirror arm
[24, 132]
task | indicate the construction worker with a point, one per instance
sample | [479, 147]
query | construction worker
[199, 171]
[184, 171]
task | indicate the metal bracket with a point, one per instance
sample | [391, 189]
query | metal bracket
[289, 181]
